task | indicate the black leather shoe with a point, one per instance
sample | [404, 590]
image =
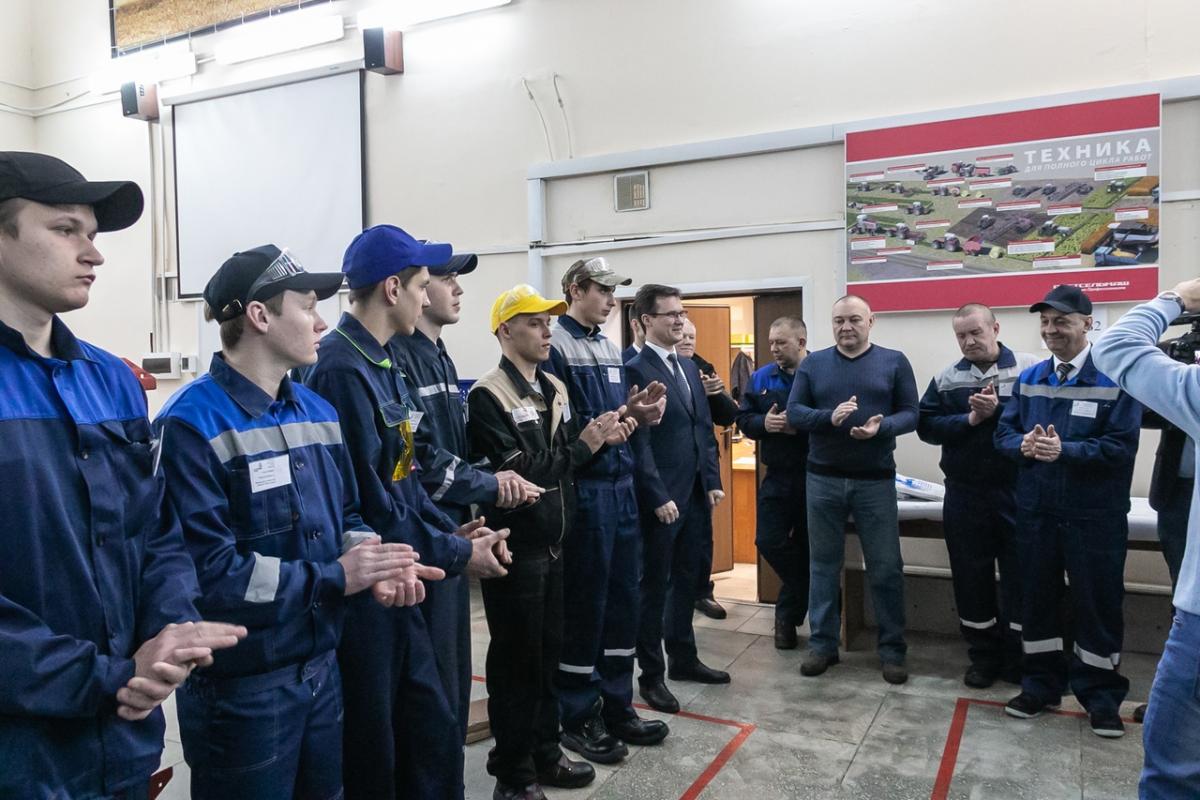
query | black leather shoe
[710, 608]
[659, 697]
[505, 792]
[590, 738]
[979, 676]
[697, 673]
[567, 774]
[816, 663]
[639, 732]
[785, 635]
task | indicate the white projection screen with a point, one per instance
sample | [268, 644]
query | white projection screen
[281, 165]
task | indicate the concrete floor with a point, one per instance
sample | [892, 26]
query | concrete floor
[845, 735]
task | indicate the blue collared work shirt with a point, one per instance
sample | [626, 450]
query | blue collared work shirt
[440, 426]
[265, 493]
[90, 569]
[357, 375]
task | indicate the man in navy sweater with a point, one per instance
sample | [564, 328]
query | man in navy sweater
[854, 399]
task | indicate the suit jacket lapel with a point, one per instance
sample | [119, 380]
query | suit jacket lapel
[670, 381]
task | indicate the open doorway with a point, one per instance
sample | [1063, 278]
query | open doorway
[731, 334]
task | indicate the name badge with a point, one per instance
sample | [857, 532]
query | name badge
[1084, 408]
[566, 412]
[522, 414]
[614, 374]
[270, 473]
[415, 418]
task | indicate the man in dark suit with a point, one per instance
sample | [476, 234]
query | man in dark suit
[638, 335]
[724, 412]
[678, 485]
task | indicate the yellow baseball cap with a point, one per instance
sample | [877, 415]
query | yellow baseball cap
[522, 299]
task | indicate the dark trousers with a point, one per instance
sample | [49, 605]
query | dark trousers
[602, 561]
[979, 523]
[671, 558]
[1092, 553]
[401, 736]
[447, 610]
[782, 539]
[262, 737]
[524, 616]
[1173, 523]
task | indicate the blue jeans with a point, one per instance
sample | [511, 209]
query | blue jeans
[831, 501]
[265, 737]
[1171, 736]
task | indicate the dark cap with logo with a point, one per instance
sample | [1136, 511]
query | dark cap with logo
[459, 264]
[260, 274]
[48, 180]
[1065, 298]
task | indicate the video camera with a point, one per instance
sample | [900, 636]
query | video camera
[1184, 348]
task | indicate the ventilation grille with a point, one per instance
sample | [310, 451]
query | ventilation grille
[632, 191]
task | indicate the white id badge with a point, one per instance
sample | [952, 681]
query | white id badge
[522, 414]
[270, 473]
[566, 412]
[614, 374]
[1083, 408]
[415, 418]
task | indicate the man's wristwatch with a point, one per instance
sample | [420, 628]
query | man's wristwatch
[1169, 295]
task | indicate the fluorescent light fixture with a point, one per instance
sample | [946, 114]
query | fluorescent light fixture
[403, 14]
[278, 34]
[154, 65]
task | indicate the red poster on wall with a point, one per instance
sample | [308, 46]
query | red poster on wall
[999, 209]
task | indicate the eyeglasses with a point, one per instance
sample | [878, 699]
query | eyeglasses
[674, 315]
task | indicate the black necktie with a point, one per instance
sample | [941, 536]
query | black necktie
[681, 380]
[1064, 369]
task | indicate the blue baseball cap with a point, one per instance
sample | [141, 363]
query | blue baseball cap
[385, 250]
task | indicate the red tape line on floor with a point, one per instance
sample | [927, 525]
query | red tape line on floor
[941, 786]
[722, 758]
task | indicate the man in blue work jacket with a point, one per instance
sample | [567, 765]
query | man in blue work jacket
[403, 737]
[602, 558]
[454, 484]
[97, 622]
[782, 534]
[1073, 434]
[260, 480]
[960, 411]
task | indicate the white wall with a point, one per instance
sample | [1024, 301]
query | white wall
[16, 74]
[449, 142]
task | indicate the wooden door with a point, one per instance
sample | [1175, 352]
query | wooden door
[712, 344]
[767, 309]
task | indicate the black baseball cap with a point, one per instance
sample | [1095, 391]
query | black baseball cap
[459, 264]
[260, 274]
[1065, 298]
[46, 179]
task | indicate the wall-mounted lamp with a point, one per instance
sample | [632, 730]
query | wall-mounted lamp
[403, 14]
[153, 65]
[278, 34]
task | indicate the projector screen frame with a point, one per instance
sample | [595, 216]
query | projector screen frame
[306, 76]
